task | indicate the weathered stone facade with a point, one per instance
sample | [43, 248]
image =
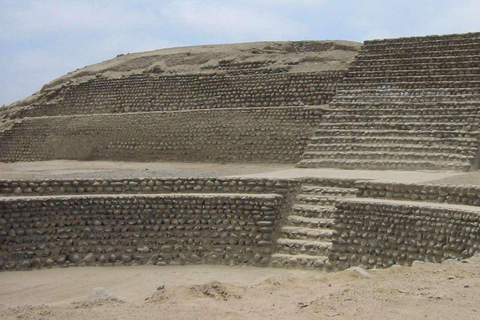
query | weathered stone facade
[245, 135]
[283, 187]
[127, 230]
[406, 104]
[374, 234]
[147, 93]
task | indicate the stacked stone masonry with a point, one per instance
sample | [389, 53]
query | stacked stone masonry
[410, 103]
[373, 234]
[287, 188]
[292, 223]
[246, 135]
[441, 193]
[146, 93]
[131, 230]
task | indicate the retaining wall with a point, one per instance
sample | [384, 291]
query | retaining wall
[383, 234]
[454, 194]
[129, 230]
[231, 135]
[144, 93]
[284, 187]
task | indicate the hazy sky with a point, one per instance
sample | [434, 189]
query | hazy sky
[44, 39]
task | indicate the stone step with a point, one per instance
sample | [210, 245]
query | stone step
[426, 95]
[424, 46]
[403, 126]
[359, 116]
[429, 64]
[421, 70]
[301, 233]
[440, 41]
[328, 191]
[383, 164]
[382, 137]
[439, 84]
[390, 155]
[281, 260]
[304, 199]
[305, 222]
[399, 108]
[315, 211]
[364, 56]
[423, 41]
[418, 148]
[411, 79]
[418, 62]
[304, 247]
[404, 103]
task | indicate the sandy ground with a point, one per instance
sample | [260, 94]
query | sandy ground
[113, 169]
[109, 169]
[472, 178]
[425, 291]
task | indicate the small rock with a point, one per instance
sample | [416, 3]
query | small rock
[450, 261]
[89, 258]
[361, 272]
[418, 263]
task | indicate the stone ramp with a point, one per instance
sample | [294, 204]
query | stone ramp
[405, 104]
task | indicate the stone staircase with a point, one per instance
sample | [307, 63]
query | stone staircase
[305, 240]
[410, 103]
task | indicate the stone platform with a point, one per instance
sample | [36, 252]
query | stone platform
[70, 213]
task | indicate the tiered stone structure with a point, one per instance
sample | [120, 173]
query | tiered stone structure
[408, 103]
[208, 117]
[145, 93]
[277, 134]
[294, 223]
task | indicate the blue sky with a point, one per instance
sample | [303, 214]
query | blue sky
[44, 39]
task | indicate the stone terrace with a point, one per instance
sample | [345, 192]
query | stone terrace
[409, 103]
[145, 93]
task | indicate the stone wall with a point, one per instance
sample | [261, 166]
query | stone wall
[243, 135]
[454, 194]
[145, 93]
[130, 230]
[284, 187]
[424, 192]
[383, 234]
[405, 104]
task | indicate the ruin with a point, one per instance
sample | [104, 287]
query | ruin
[394, 104]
